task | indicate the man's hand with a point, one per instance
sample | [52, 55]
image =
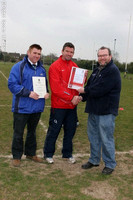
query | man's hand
[34, 95]
[76, 100]
[81, 90]
[46, 96]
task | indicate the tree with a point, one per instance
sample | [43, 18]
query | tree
[1, 56]
[49, 59]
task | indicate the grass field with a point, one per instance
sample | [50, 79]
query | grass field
[63, 181]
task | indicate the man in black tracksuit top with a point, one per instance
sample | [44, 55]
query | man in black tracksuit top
[102, 94]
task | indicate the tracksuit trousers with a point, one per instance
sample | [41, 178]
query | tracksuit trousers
[59, 117]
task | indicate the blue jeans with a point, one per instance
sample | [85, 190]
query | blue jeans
[101, 136]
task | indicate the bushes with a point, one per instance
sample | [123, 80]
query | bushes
[121, 67]
[85, 64]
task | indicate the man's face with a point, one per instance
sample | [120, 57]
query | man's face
[104, 57]
[67, 53]
[34, 55]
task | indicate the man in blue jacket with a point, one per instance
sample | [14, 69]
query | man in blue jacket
[26, 105]
[102, 94]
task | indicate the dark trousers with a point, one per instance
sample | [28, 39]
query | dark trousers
[67, 117]
[20, 121]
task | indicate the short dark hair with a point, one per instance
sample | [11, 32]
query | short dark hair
[102, 48]
[68, 44]
[37, 46]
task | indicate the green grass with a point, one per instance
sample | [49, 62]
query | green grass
[62, 181]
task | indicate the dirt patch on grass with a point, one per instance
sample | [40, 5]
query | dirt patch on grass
[101, 190]
[124, 166]
[28, 167]
[69, 170]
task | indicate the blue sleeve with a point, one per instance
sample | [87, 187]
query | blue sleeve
[14, 84]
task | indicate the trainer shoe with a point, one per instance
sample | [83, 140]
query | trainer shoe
[88, 165]
[107, 171]
[35, 158]
[49, 160]
[16, 162]
[71, 160]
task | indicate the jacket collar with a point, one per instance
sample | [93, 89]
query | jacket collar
[26, 59]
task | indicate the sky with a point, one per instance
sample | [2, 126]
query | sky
[88, 24]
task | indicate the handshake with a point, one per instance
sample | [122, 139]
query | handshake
[76, 100]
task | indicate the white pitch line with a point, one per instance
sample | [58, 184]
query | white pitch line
[5, 105]
[11, 105]
[4, 75]
[78, 155]
[43, 125]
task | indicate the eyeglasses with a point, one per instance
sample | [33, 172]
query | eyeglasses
[104, 55]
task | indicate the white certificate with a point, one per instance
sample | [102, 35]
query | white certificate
[79, 75]
[39, 85]
[77, 78]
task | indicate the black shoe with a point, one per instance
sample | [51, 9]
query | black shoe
[88, 165]
[107, 170]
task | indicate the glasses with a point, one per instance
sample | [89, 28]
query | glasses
[104, 55]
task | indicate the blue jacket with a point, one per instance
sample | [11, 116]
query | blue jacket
[102, 91]
[20, 84]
